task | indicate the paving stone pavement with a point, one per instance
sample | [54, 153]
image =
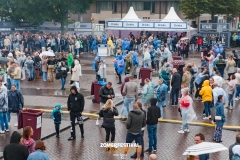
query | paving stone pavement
[171, 144]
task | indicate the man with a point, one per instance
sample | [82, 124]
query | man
[161, 96]
[17, 76]
[106, 92]
[194, 75]
[130, 90]
[186, 78]
[6, 43]
[175, 83]
[135, 121]
[236, 143]
[3, 109]
[218, 79]
[199, 138]
[153, 114]
[142, 132]
[75, 105]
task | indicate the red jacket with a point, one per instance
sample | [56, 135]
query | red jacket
[199, 40]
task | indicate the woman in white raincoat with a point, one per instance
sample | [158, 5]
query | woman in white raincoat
[187, 111]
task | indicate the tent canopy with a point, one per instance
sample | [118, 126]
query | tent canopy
[172, 16]
[131, 16]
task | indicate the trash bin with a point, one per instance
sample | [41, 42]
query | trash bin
[176, 58]
[95, 90]
[145, 73]
[204, 52]
[33, 118]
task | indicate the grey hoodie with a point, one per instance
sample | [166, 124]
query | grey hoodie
[135, 121]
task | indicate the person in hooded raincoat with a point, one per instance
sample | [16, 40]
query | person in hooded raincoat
[120, 68]
[110, 46]
[135, 61]
[94, 45]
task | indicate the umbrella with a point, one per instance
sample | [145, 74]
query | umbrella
[48, 53]
[197, 35]
[178, 62]
[4, 60]
[184, 38]
[204, 148]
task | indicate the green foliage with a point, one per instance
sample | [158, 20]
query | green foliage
[193, 8]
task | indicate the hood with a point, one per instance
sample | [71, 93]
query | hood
[120, 57]
[59, 106]
[135, 55]
[76, 62]
[206, 83]
[164, 72]
[137, 111]
[126, 79]
[153, 101]
[27, 142]
[74, 88]
[15, 137]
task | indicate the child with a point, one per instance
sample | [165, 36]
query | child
[57, 117]
[27, 141]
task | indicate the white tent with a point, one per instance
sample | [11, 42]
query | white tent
[172, 16]
[131, 16]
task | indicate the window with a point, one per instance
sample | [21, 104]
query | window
[104, 6]
[146, 6]
[153, 7]
[173, 4]
[137, 6]
[114, 7]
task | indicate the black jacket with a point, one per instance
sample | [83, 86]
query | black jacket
[76, 101]
[176, 79]
[221, 64]
[108, 120]
[153, 113]
[104, 92]
[14, 150]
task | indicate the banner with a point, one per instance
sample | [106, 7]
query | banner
[224, 38]
[214, 26]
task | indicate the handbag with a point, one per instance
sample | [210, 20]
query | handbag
[219, 118]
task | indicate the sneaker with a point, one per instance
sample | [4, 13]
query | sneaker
[7, 130]
[231, 107]
[134, 155]
[148, 151]
[236, 99]
[181, 131]
[15, 125]
[71, 138]
[97, 122]
[82, 136]
[123, 157]
[227, 107]
[9, 124]
[155, 150]
[2, 132]
[187, 130]
[205, 118]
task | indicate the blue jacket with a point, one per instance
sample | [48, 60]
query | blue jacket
[152, 53]
[57, 114]
[199, 78]
[125, 44]
[15, 101]
[161, 93]
[94, 44]
[219, 111]
[38, 154]
[120, 65]
[135, 59]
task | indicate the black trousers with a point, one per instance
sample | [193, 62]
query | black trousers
[108, 131]
[57, 128]
[198, 88]
[73, 116]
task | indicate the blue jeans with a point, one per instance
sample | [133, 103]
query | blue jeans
[9, 116]
[44, 76]
[237, 90]
[131, 137]
[30, 72]
[4, 120]
[160, 105]
[210, 67]
[207, 106]
[146, 63]
[230, 99]
[152, 136]
[127, 106]
[9, 84]
[184, 112]
[17, 83]
[63, 82]
[191, 84]
[174, 95]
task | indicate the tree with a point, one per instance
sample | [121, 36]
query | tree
[194, 8]
[38, 11]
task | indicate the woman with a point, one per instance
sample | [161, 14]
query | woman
[135, 64]
[76, 73]
[211, 80]
[63, 74]
[27, 141]
[3, 111]
[147, 92]
[69, 60]
[231, 90]
[37, 66]
[39, 153]
[77, 46]
[165, 77]
[219, 118]
[120, 68]
[186, 109]
[110, 46]
[15, 102]
[53, 44]
[71, 45]
[128, 64]
[207, 98]
[108, 112]
[29, 65]
[210, 61]
[51, 65]
[44, 68]
[230, 68]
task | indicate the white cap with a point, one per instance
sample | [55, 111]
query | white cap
[10, 54]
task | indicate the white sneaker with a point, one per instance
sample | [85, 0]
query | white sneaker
[2, 132]
[181, 131]
[7, 130]
[15, 125]
[9, 124]
[97, 122]
[236, 99]
[187, 130]
[231, 107]
[205, 118]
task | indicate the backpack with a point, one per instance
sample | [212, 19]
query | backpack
[235, 157]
